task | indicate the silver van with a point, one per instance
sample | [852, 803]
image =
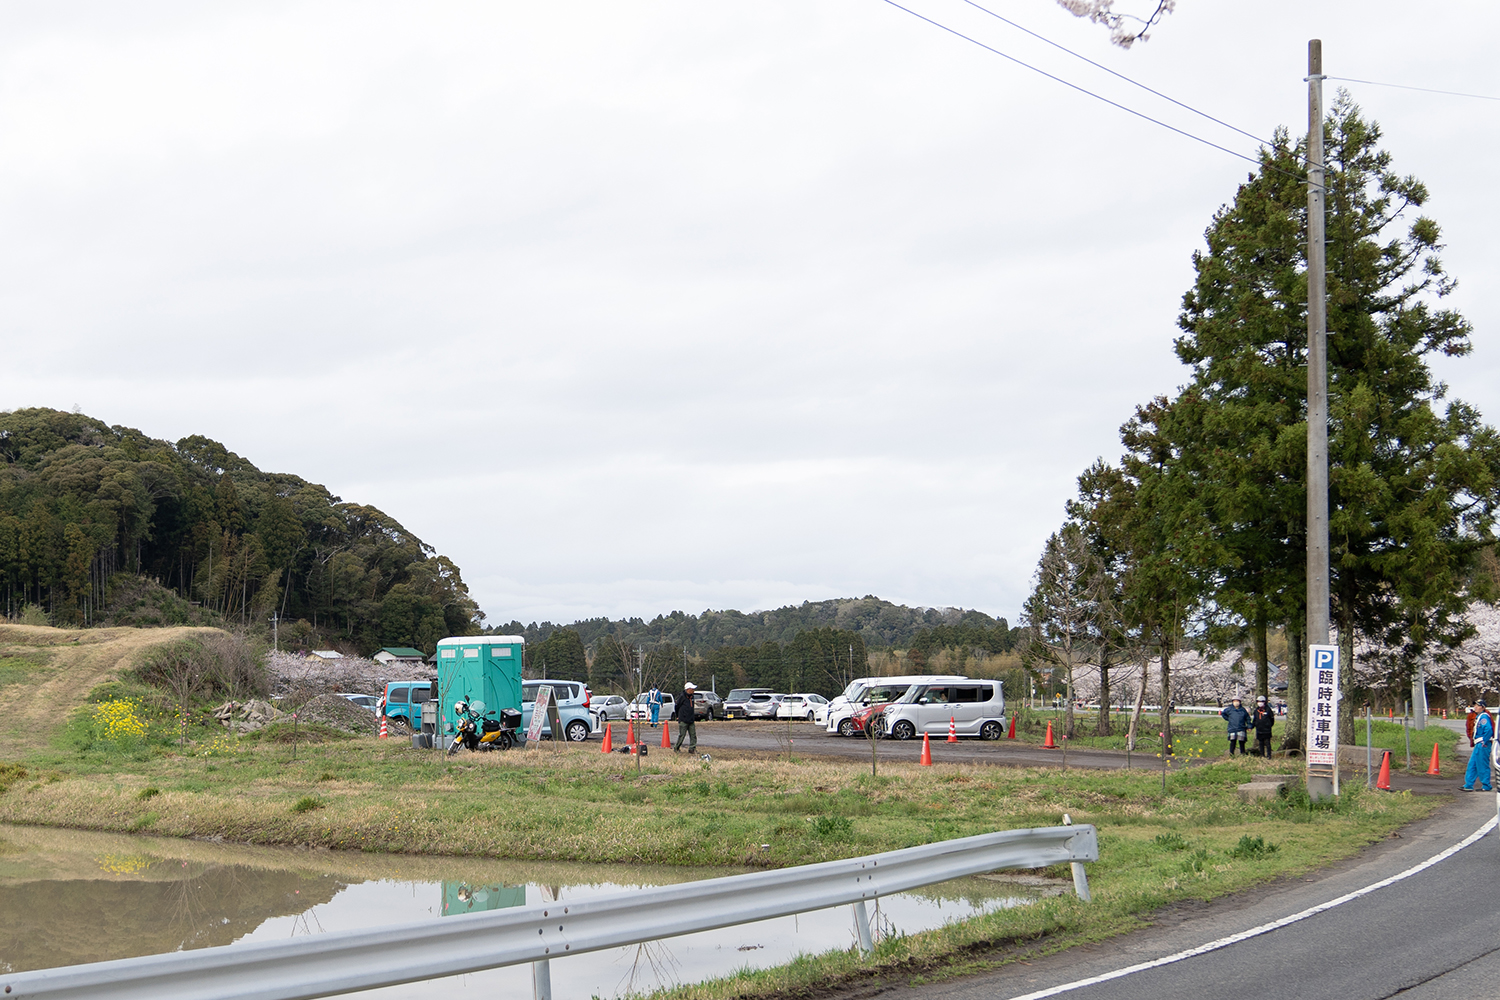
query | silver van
[971, 707]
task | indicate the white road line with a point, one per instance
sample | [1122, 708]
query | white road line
[1225, 942]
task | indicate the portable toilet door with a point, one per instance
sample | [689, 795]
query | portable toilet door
[480, 667]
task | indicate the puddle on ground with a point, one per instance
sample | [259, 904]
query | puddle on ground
[68, 897]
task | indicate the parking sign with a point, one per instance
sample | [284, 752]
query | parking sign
[1323, 706]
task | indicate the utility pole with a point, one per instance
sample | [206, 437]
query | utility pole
[1322, 779]
[275, 632]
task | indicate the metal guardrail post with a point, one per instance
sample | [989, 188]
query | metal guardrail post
[541, 979]
[1080, 877]
[862, 927]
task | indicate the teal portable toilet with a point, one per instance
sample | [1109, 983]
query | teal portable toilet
[483, 668]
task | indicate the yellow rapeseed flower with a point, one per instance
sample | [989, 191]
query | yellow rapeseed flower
[119, 720]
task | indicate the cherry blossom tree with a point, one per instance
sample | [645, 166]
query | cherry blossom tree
[1124, 29]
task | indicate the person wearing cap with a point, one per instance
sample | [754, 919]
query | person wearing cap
[686, 716]
[1479, 757]
[1263, 719]
[1236, 720]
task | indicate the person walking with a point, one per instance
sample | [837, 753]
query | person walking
[1479, 757]
[686, 716]
[654, 700]
[1237, 720]
[1263, 720]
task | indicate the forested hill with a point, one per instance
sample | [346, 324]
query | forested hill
[81, 500]
[878, 623]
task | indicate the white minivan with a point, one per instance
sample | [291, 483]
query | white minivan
[970, 707]
[864, 691]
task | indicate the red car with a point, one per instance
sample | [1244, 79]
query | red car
[865, 716]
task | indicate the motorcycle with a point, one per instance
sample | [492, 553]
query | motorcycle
[479, 730]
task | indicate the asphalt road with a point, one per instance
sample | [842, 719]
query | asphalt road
[807, 738]
[1432, 935]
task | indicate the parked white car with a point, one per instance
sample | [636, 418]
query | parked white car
[608, 707]
[640, 709]
[801, 706]
[972, 708]
[865, 691]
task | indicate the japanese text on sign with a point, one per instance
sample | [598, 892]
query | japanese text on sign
[539, 715]
[1323, 707]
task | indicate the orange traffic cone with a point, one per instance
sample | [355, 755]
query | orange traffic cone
[1434, 769]
[383, 733]
[666, 736]
[609, 742]
[1384, 781]
[952, 730]
[926, 752]
[1012, 727]
[630, 733]
[1049, 745]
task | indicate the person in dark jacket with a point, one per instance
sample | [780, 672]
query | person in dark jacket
[1237, 720]
[1263, 720]
[686, 716]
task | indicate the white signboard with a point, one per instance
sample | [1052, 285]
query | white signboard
[1323, 706]
[539, 714]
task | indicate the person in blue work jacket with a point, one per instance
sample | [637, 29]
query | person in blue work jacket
[1238, 721]
[1479, 757]
[654, 700]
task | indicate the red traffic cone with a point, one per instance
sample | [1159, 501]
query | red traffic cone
[383, 733]
[952, 730]
[666, 736]
[609, 742]
[1012, 727]
[630, 733]
[926, 752]
[1050, 744]
[1434, 768]
[1384, 781]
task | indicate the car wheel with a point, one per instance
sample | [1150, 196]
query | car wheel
[399, 724]
[577, 731]
[846, 727]
[991, 730]
[809, 716]
[904, 730]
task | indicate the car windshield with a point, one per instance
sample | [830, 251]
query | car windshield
[740, 694]
[854, 692]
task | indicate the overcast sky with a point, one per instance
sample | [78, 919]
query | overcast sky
[642, 306]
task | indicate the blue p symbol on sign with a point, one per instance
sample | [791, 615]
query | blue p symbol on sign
[1323, 659]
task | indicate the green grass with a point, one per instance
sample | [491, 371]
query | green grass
[22, 669]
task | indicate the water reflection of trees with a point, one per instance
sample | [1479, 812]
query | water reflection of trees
[196, 906]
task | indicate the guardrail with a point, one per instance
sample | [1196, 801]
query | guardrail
[347, 961]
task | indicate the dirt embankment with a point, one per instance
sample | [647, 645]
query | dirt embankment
[50, 671]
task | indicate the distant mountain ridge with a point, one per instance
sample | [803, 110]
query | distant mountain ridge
[879, 622]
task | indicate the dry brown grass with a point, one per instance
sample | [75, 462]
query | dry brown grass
[78, 660]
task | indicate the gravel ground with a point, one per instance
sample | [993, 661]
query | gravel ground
[340, 713]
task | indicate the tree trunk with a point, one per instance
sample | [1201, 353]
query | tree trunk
[1262, 659]
[1068, 712]
[1104, 727]
[1296, 692]
[1140, 702]
[1346, 682]
[1166, 699]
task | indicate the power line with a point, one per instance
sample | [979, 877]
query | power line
[1122, 76]
[1098, 97]
[1402, 86]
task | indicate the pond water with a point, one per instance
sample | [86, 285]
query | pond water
[68, 897]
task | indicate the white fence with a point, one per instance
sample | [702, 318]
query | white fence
[347, 961]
